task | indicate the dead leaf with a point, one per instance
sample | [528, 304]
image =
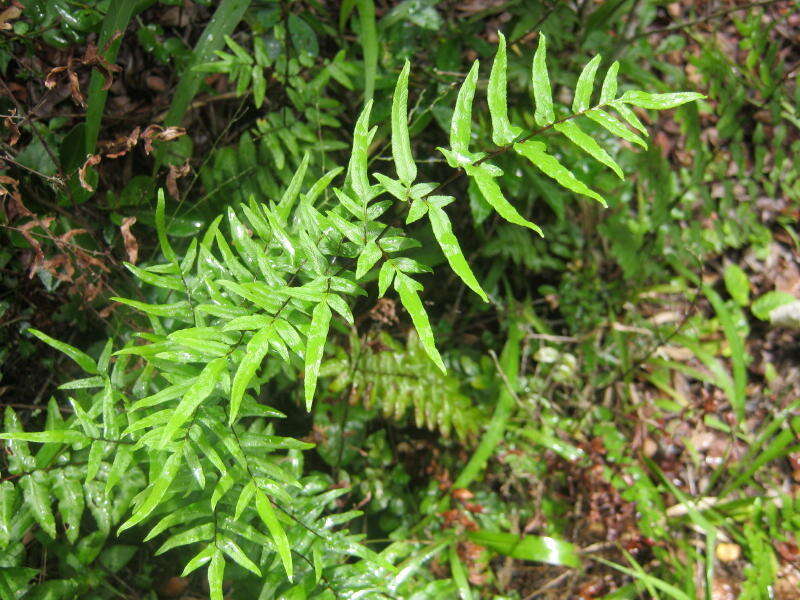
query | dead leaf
[12, 127]
[122, 145]
[91, 160]
[75, 89]
[8, 15]
[131, 244]
[174, 174]
[53, 76]
[158, 133]
[15, 208]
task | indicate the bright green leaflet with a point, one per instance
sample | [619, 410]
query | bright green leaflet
[461, 124]
[200, 390]
[407, 288]
[585, 85]
[357, 168]
[315, 346]
[612, 125]
[542, 94]
[161, 228]
[585, 142]
[401, 144]
[256, 351]
[529, 547]
[84, 361]
[270, 519]
[37, 497]
[370, 254]
[659, 101]
[609, 89]
[443, 231]
[536, 152]
[156, 491]
[494, 196]
[503, 132]
[216, 569]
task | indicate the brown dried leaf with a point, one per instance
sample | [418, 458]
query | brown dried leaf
[93, 58]
[54, 75]
[12, 127]
[122, 145]
[91, 160]
[8, 15]
[75, 89]
[60, 260]
[65, 238]
[25, 230]
[15, 208]
[174, 174]
[131, 244]
[88, 260]
[158, 133]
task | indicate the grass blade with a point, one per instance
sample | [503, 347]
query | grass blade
[117, 18]
[227, 16]
[369, 45]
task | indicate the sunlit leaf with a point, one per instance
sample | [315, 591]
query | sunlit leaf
[370, 254]
[585, 142]
[614, 126]
[84, 361]
[443, 232]
[408, 290]
[216, 570]
[585, 85]
[200, 390]
[257, 349]
[37, 497]
[502, 131]
[357, 168]
[270, 519]
[401, 144]
[230, 548]
[529, 547]
[315, 347]
[461, 124]
[659, 101]
[161, 228]
[536, 152]
[609, 90]
[542, 94]
[494, 196]
[155, 491]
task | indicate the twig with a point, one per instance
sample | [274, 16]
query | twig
[549, 585]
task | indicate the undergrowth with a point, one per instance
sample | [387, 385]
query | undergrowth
[344, 358]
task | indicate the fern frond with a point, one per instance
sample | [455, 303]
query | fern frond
[400, 381]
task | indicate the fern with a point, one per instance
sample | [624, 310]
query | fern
[400, 380]
[171, 434]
